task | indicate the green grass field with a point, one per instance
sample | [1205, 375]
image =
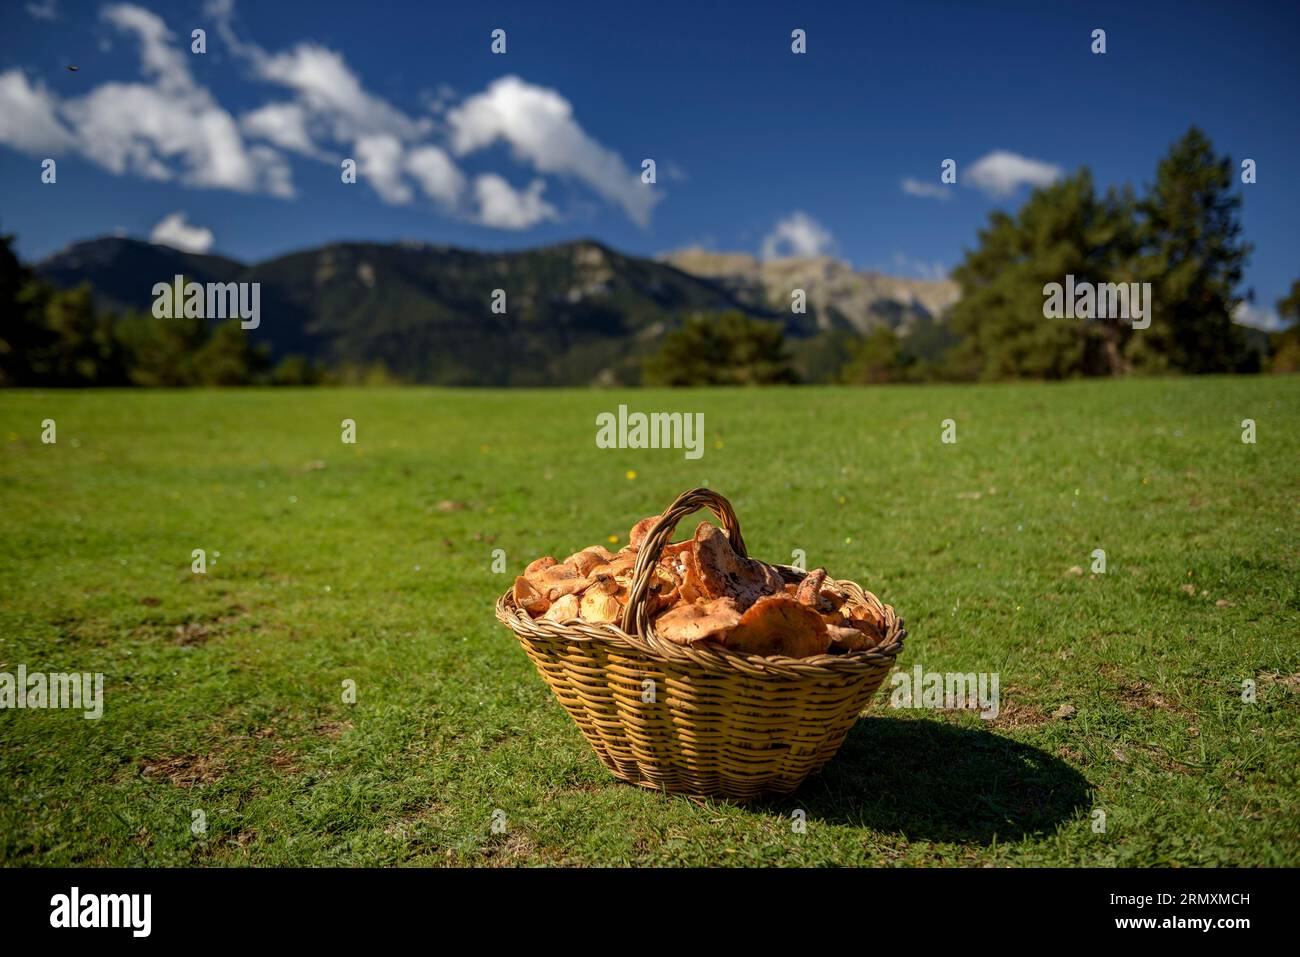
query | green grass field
[223, 692]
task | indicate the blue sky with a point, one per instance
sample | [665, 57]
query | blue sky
[237, 150]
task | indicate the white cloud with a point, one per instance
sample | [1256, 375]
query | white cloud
[170, 128]
[28, 116]
[916, 187]
[143, 130]
[1258, 317]
[1001, 173]
[437, 175]
[282, 124]
[174, 231]
[331, 99]
[538, 125]
[379, 162]
[500, 205]
[384, 163]
[160, 54]
[45, 10]
[797, 235]
[333, 95]
[273, 171]
[330, 104]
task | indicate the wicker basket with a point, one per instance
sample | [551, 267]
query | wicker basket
[713, 722]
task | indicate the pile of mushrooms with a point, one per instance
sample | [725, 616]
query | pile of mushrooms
[702, 591]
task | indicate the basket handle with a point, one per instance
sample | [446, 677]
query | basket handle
[635, 619]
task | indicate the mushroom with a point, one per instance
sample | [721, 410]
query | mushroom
[699, 590]
[619, 567]
[600, 608]
[528, 598]
[846, 638]
[809, 590]
[604, 583]
[554, 572]
[666, 575]
[779, 625]
[814, 592]
[556, 581]
[639, 532]
[565, 609]
[587, 559]
[698, 621]
[672, 562]
[665, 579]
[674, 550]
[865, 613]
[832, 599]
[873, 628]
[691, 588]
[539, 565]
[724, 574]
[558, 588]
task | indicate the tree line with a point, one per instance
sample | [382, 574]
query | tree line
[1182, 238]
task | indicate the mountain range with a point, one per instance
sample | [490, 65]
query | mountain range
[576, 313]
[838, 296]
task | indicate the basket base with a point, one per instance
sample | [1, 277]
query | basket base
[672, 777]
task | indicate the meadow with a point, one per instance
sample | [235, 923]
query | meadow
[1148, 714]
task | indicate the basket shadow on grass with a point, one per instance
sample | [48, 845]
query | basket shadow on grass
[928, 780]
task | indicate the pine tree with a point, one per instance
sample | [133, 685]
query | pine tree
[1062, 229]
[729, 349]
[1193, 255]
[878, 357]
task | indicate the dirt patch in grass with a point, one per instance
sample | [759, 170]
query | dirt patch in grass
[192, 632]
[242, 838]
[1138, 695]
[1287, 681]
[333, 729]
[513, 850]
[1017, 714]
[1072, 755]
[286, 762]
[228, 746]
[184, 770]
[236, 844]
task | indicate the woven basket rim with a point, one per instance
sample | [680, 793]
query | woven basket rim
[717, 657]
